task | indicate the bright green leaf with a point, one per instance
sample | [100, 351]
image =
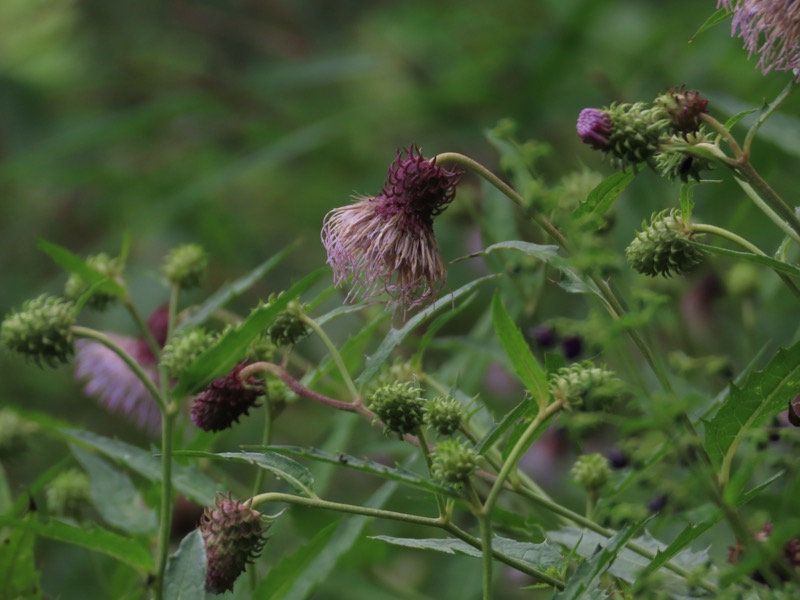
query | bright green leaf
[603, 196]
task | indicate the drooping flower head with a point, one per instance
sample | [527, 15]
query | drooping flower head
[770, 29]
[386, 243]
[226, 399]
[113, 384]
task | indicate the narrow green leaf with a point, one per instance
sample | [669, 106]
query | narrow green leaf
[396, 473]
[185, 576]
[687, 200]
[396, 336]
[766, 261]
[687, 535]
[18, 575]
[293, 473]
[764, 394]
[524, 409]
[603, 196]
[75, 264]
[519, 353]
[187, 480]
[93, 537]
[232, 345]
[229, 291]
[739, 116]
[716, 17]
[114, 495]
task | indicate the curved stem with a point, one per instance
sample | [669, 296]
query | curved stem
[334, 352]
[764, 207]
[141, 324]
[724, 133]
[767, 113]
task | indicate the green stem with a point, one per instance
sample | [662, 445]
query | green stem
[174, 294]
[771, 197]
[426, 453]
[724, 133]
[266, 439]
[485, 524]
[141, 324]
[337, 358]
[165, 525]
[767, 113]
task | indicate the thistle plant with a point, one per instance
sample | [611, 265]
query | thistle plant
[555, 415]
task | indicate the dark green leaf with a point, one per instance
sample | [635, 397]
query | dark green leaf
[603, 196]
[766, 261]
[75, 264]
[185, 577]
[97, 539]
[524, 409]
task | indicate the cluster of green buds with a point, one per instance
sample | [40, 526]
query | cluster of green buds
[76, 285]
[41, 330]
[399, 406]
[183, 348]
[454, 461]
[289, 327]
[443, 414]
[584, 385]
[591, 472]
[663, 247]
[68, 494]
[234, 535]
[185, 266]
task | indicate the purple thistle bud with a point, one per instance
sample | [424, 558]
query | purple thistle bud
[226, 399]
[386, 243]
[770, 29]
[545, 336]
[594, 128]
[234, 536]
[572, 346]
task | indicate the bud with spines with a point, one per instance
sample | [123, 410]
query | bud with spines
[683, 108]
[68, 494]
[41, 330]
[183, 348]
[663, 247]
[454, 461]
[399, 406]
[636, 133]
[444, 415]
[591, 471]
[234, 535]
[76, 286]
[584, 384]
[674, 163]
[224, 401]
[289, 327]
[186, 266]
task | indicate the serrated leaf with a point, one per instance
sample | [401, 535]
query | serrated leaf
[765, 261]
[114, 495]
[603, 196]
[763, 395]
[232, 345]
[93, 537]
[541, 556]
[187, 480]
[18, 575]
[519, 353]
[229, 291]
[396, 336]
[75, 264]
[396, 473]
[185, 576]
[293, 473]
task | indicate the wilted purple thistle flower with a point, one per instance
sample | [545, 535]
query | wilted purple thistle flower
[113, 384]
[594, 128]
[386, 242]
[769, 28]
[224, 400]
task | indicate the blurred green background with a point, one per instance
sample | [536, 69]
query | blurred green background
[239, 123]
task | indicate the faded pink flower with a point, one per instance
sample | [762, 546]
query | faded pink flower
[113, 384]
[770, 29]
[386, 243]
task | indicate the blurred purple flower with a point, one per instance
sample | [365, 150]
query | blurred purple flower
[113, 384]
[386, 243]
[770, 29]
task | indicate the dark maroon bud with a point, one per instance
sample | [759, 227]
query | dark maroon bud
[794, 412]
[617, 459]
[657, 503]
[572, 346]
[545, 337]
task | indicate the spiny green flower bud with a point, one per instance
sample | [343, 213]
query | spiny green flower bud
[14, 431]
[186, 265]
[454, 461]
[77, 286]
[68, 494]
[584, 384]
[289, 327]
[262, 349]
[183, 348]
[673, 163]
[399, 405]
[234, 536]
[635, 132]
[591, 471]
[41, 330]
[683, 108]
[444, 415]
[662, 247]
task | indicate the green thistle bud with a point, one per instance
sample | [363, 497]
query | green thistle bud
[591, 471]
[234, 536]
[635, 133]
[399, 405]
[14, 431]
[454, 462]
[41, 330]
[68, 494]
[183, 348]
[77, 286]
[683, 108]
[186, 265]
[262, 349]
[289, 327]
[663, 247]
[674, 164]
[584, 384]
[444, 415]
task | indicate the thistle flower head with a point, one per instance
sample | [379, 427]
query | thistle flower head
[41, 330]
[234, 536]
[683, 108]
[662, 247]
[769, 29]
[111, 381]
[591, 471]
[453, 461]
[386, 243]
[186, 265]
[399, 405]
[594, 128]
[226, 399]
[76, 285]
